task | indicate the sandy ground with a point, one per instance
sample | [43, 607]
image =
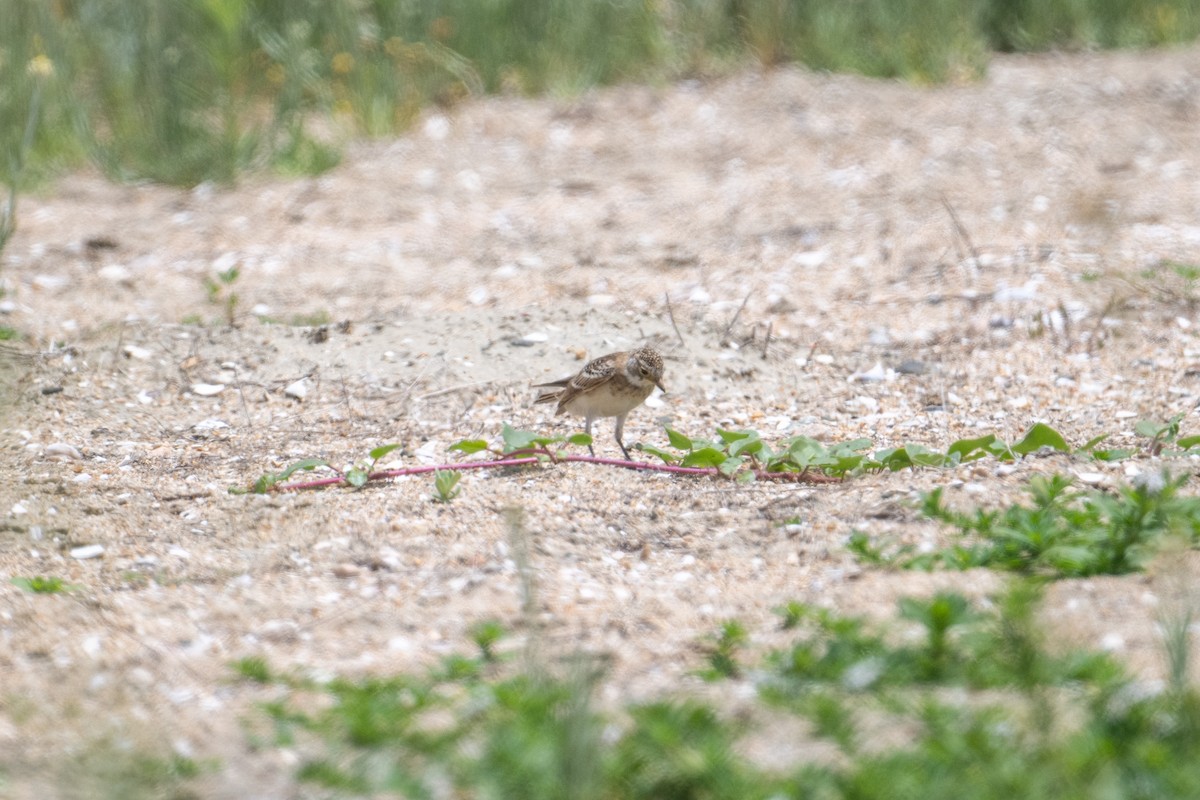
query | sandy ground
[500, 245]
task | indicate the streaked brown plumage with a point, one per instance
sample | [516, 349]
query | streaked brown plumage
[608, 386]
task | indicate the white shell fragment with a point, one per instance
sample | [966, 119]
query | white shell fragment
[116, 273]
[87, 551]
[208, 389]
[61, 451]
[298, 389]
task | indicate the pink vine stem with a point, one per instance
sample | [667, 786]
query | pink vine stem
[532, 456]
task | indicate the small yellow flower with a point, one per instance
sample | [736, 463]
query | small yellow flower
[343, 63]
[40, 66]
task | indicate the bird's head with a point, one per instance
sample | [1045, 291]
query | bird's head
[646, 365]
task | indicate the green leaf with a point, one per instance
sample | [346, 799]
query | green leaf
[1149, 428]
[845, 464]
[730, 465]
[357, 477]
[733, 436]
[580, 439]
[706, 457]
[517, 440]
[382, 450]
[42, 585]
[307, 464]
[1188, 442]
[469, 446]
[805, 452]
[971, 449]
[445, 481]
[263, 484]
[668, 458]
[894, 458]
[922, 456]
[748, 444]
[1117, 454]
[269, 480]
[678, 440]
[1091, 443]
[1041, 435]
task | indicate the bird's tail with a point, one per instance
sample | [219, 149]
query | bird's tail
[550, 392]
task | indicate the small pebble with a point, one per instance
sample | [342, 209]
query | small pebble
[530, 339]
[874, 375]
[207, 389]
[298, 390]
[209, 425]
[279, 630]
[346, 570]
[813, 258]
[115, 273]
[87, 551]
[61, 451]
[140, 353]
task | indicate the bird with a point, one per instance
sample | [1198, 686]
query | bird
[608, 386]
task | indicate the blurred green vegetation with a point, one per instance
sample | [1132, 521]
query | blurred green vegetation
[951, 700]
[199, 90]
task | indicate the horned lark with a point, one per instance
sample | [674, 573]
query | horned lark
[609, 386]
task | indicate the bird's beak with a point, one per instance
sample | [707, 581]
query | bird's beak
[660, 387]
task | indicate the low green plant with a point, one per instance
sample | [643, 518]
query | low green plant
[732, 452]
[219, 290]
[43, 585]
[445, 485]
[985, 707]
[516, 440]
[269, 480]
[1164, 437]
[740, 455]
[1063, 532]
[358, 475]
[722, 652]
[111, 766]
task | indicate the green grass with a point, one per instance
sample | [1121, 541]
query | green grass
[43, 585]
[1061, 533]
[200, 90]
[975, 702]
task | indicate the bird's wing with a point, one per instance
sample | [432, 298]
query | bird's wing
[594, 373]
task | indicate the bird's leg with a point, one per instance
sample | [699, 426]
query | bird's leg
[621, 444]
[587, 428]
